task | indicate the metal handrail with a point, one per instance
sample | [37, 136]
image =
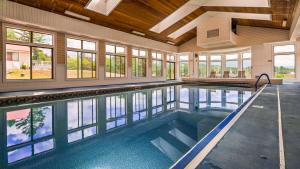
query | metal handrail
[263, 74]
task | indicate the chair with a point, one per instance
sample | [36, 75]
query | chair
[241, 74]
[226, 74]
[212, 74]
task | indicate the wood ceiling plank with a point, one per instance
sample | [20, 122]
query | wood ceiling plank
[141, 15]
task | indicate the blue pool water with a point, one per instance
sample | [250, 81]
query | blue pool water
[149, 128]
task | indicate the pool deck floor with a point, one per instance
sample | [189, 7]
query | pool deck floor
[253, 141]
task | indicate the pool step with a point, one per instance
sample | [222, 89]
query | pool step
[166, 148]
[179, 135]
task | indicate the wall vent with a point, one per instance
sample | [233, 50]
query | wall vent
[212, 33]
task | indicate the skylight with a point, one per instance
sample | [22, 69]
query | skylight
[104, 7]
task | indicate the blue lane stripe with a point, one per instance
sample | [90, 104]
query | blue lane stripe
[208, 137]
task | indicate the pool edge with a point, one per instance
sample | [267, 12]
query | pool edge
[198, 152]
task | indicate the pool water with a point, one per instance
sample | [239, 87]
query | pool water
[149, 128]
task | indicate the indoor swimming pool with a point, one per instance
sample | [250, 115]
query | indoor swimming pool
[150, 128]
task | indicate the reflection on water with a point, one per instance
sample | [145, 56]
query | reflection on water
[82, 116]
[115, 111]
[29, 130]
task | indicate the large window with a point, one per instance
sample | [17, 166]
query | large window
[82, 119]
[184, 66]
[29, 54]
[115, 61]
[170, 67]
[247, 64]
[157, 65]
[216, 65]
[81, 58]
[202, 66]
[284, 61]
[232, 64]
[29, 132]
[139, 62]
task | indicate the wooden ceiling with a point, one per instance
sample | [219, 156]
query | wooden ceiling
[141, 15]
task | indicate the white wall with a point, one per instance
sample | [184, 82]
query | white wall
[261, 41]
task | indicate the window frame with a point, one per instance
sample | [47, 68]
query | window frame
[139, 57]
[81, 50]
[171, 61]
[245, 59]
[237, 60]
[184, 62]
[30, 45]
[216, 61]
[284, 53]
[115, 54]
[157, 60]
[206, 65]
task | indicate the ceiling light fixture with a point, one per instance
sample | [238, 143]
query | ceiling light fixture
[138, 33]
[171, 43]
[77, 15]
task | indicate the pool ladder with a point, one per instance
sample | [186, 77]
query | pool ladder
[263, 74]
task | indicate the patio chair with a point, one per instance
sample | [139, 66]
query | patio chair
[226, 74]
[241, 74]
[212, 74]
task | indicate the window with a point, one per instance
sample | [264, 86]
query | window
[139, 106]
[246, 64]
[81, 59]
[29, 132]
[114, 61]
[115, 111]
[82, 119]
[29, 55]
[139, 62]
[170, 67]
[216, 65]
[202, 66]
[284, 61]
[157, 64]
[157, 101]
[184, 65]
[232, 64]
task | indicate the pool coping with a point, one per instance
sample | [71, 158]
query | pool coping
[78, 92]
[209, 141]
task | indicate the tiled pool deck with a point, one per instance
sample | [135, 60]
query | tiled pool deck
[253, 141]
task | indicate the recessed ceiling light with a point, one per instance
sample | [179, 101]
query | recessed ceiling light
[171, 43]
[138, 33]
[77, 15]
